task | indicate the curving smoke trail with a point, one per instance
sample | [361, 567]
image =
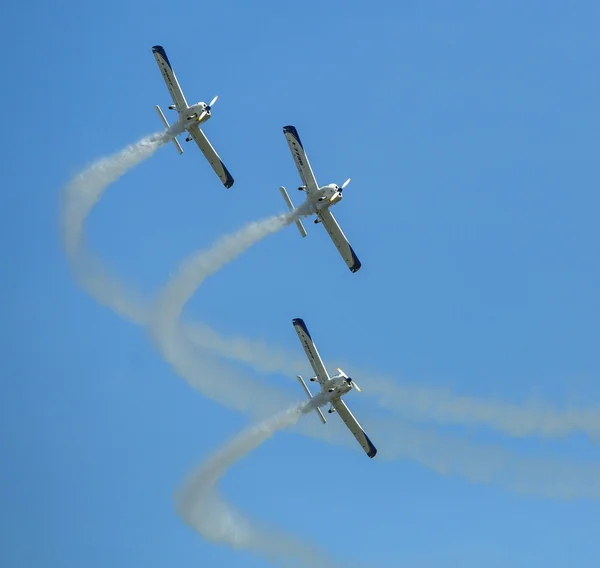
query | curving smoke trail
[200, 506]
[179, 346]
[170, 334]
[79, 198]
[414, 401]
[417, 402]
[191, 351]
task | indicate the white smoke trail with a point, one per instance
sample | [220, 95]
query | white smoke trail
[416, 402]
[419, 403]
[534, 418]
[200, 506]
[535, 476]
[230, 388]
[79, 198]
[399, 440]
[203, 264]
[169, 334]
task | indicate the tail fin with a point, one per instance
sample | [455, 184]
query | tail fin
[317, 409]
[175, 141]
[291, 207]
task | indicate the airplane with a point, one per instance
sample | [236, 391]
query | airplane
[319, 199]
[335, 387]
[190, 117]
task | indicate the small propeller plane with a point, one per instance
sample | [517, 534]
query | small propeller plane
[335, 387]
[190, 117]
[320, 199]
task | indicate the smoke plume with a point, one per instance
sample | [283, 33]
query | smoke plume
[201, 507]
[194, 350]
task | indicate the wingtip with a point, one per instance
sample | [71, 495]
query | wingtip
[292, 130]
[356, 263]
[299, 322]
[372, 449]
[161, 51]
[228, 181]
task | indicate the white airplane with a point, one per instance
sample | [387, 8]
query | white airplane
[190, 117]
[320, 199]
[335, 387]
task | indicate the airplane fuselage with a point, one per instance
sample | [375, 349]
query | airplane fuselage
[336, 386]
[324, 197]
[195, 114]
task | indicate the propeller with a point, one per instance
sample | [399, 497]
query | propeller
[350, 381]
[339, 190]
[207, 109]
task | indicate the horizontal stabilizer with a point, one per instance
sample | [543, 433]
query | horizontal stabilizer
[290, 205]
[166, 123]
[317, 409]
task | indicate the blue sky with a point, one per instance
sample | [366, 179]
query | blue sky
[470, 133]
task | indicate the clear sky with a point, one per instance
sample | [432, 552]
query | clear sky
[470, 131]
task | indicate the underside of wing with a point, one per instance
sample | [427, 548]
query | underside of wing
[354, 427]
[311, 350]
[170, 79]
[300, 158]
[339, 240]
[211, 156]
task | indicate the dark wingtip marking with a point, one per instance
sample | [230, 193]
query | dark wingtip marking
[372, 449]
[300, 323]
[229, 181]
[292, 130]
[357, 264]
[161, 51]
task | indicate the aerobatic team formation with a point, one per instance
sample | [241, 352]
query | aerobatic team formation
[319, 200]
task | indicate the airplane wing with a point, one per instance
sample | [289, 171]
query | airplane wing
[211, 155]
[169, 76]
[311, 350]
[300, 158]
[339, 239]
[354, 427]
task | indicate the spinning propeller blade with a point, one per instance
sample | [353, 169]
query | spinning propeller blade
[345, 183]
[207, 109]
[351, 381]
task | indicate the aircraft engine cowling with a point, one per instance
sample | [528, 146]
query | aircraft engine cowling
[337, 196]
